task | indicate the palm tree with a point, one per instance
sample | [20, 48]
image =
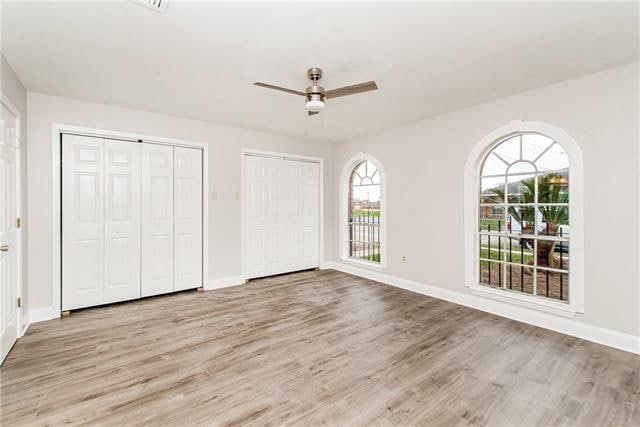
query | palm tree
[551, 189]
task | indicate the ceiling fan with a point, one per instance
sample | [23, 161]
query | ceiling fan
[315, 95]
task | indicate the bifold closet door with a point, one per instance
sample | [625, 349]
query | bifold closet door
[157, 219]
[281, 215]
[188, 218]
[83, 221]
[122, 220]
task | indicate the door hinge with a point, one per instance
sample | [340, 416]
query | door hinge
[19, 302]
[18, 222]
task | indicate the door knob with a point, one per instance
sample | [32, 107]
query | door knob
[4, 248]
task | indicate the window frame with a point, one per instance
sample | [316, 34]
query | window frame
[473, 169]
[345, 184]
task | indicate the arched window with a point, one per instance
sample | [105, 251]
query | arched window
[362, 211]
[524, 236]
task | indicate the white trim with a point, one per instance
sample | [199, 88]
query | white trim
[343, 205]
[57, 130]
[608, 337]
[19, 214]
[224, 282]
[249, 151]
[576, 215]
[42, 314]
[553, 307]
[362, 263]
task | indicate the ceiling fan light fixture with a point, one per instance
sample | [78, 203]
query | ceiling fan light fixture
[314, 106]
[314, 103]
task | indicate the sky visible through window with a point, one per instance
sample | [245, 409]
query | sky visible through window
[366, 183]
[521, 153]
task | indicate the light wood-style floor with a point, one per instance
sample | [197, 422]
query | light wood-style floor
[319, 347]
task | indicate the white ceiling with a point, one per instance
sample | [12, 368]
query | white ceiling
[199, 60]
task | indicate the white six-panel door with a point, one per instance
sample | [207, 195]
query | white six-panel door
[122, 220]
[187, 184]
[83, 221]
[302, 215]
[276, 221]
[255, 217]
[281, 215]
[8, 231]
[157, 219]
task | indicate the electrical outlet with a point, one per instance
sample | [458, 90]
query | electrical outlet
[404, 259]
[214, 195]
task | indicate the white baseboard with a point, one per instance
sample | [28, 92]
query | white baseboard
[608, 337]
[42, 314]
[224, 282]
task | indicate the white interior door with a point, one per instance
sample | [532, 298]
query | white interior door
[83, 221]
[255, 217]
[276, 220]
[9, 259]
[122, 221]
[187, 186]
[157, 219]
[302, 231]
[281, 216]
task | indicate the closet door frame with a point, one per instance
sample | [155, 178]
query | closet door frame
[57, 130]
[244, 153]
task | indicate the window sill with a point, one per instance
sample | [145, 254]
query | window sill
[531, 302]
[364, 264]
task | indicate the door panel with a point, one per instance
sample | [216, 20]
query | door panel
[8, 231]
[310, 217]
[83, 221]
[255, 217]
[303, 215]
[294, 215]
[188, 218]
[122, 221]
[157, 219]
[275, 222]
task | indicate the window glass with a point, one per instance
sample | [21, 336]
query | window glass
[364, 212]
[524, 231]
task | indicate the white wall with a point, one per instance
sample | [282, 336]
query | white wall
[225, 143]
[424, 162]
[13, 89]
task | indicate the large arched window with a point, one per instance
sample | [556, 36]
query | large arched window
[524, 237]
[362, 211]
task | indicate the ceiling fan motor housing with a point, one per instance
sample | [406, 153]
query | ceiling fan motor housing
[314, 73]
[315, 92]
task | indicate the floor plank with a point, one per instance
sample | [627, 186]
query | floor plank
[310, 348]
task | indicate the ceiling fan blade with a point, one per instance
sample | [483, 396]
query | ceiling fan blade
[311, 113]
[282, 89]
[351, 90]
